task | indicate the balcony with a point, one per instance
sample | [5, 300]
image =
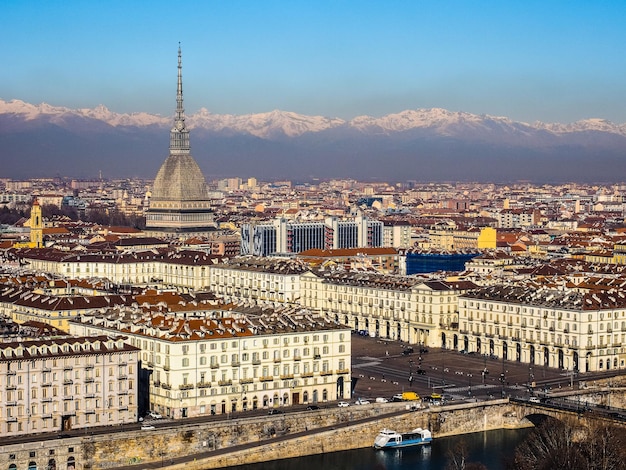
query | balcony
[46, 384]
[46, 416]
[266, 378]
[46, 369]
[277, 359]
[186, 387]
[166, 367]
[90, 395]
[89, 380]
[317, 356]
[214, 365]
[65, 368]
[203, 384]
[246, 381]
[256, 362]
[165, 386]
[11, 372]
[342, 371]
[68, 381]
[46, 400]
[326, 372]
[223, 383]
[11, 403]
[89, 367]
[235, 364]
[68, 398]
[286, 376]
[306, 374]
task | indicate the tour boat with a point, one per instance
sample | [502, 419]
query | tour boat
[388, 439]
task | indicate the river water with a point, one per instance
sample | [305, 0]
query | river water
[489, 448]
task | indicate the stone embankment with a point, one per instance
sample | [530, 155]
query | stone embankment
[239, 441]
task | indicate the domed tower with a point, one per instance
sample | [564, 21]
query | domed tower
[180, 203]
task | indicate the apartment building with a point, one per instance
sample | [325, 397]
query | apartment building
[566, 328]
[263, 279]
[396, 307]
[234, 358]
[67, 383]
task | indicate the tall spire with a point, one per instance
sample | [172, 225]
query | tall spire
[179, 135]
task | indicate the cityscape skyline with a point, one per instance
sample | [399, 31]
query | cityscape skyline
[533, 62]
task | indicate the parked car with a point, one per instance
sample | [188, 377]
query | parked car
[275, 411]
[381, 400]
[155, 415]
[407, 351]
[420, 372]
[343, 404]
[312, 407]
[534, 400]
[147, 427]
[361, 401]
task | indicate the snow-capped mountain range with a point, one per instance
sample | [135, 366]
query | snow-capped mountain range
[271, 124]
[423, 144]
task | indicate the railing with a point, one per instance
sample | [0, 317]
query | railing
[185, 387]
[286, 376]
[166, 386]
[223, 383]
[266, 378]
[342, 371]
[306, 374]
[246, 381]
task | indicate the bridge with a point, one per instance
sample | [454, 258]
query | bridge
[511, 413]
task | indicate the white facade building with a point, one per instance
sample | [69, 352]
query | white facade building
[69, 383]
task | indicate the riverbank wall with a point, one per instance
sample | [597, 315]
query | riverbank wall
[225, 443]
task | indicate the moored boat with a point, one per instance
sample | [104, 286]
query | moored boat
[388, 439]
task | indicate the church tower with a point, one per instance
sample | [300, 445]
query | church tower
[179, 205]
[36, 226]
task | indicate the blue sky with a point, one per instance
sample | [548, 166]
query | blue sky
[554, 61]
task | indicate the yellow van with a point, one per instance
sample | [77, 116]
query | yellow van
[410, 396]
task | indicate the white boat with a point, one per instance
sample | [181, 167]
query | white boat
[388, 439]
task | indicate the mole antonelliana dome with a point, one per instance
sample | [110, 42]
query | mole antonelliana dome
[179, 179]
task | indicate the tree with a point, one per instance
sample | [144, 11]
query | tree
[558, 445]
